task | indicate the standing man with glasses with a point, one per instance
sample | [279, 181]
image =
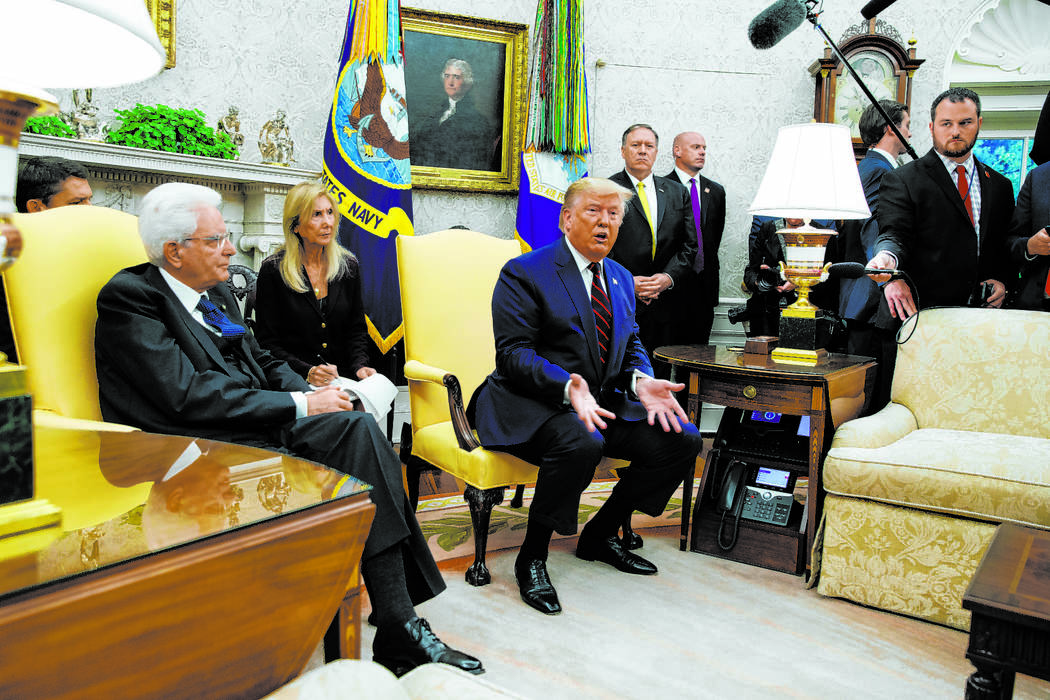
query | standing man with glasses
[708, 200]
[657, 240]
[173, 356]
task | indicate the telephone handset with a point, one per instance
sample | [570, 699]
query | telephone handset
[731, 501]
[730, 497]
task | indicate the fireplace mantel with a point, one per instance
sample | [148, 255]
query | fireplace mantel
[253, 193]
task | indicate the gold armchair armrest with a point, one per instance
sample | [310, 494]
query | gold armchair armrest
[417, 371]
[887, 426]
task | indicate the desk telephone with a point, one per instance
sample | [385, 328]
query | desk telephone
[754, 491]
[758, 493]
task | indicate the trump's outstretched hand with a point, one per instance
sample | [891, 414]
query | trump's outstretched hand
[586, 406]
[657, 396]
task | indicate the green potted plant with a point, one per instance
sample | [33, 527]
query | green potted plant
[50, 125]
[164, 128]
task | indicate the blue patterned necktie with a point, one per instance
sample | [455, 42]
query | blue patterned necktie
[218, 320]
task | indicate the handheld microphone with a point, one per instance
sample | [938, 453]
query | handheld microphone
[856, 270]
[776, 22]
[875, 7]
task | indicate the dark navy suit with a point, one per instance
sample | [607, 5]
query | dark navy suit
[859, 298]
[544, 331]
[1032, 214]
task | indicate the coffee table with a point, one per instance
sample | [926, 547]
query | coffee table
[188, 569]
[1009, 597]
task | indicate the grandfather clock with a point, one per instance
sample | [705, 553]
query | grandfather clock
[876, 51]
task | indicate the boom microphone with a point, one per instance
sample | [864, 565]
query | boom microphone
[856, 270]
[875, 7]
[776, 22]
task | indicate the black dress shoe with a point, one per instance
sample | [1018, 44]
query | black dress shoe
[403, 647]
[631, 539]
[535, 586]
[610, 550]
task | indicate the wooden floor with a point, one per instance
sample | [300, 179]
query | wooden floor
[702, 628]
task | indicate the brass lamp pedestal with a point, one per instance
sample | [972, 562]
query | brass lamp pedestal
[804, 330]
[26, 524]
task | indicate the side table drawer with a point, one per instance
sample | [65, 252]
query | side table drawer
[750, 394]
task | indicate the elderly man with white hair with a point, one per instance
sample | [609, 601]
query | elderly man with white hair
[455, 134]
[174, 356]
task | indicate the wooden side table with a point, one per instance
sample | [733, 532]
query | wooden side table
[830, 393]
[1009, 597]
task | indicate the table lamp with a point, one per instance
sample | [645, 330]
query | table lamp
[812, 174]
[50, 44]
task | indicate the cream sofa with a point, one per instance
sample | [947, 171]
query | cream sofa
[915, 491]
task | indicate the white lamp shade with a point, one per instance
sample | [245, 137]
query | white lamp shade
[812, 174]
[77, 43]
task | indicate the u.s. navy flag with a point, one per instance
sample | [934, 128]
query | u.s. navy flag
[366, 163]
[556, 140]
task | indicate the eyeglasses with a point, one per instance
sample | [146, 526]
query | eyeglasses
[211, 241]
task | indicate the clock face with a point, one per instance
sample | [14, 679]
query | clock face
[876, 70]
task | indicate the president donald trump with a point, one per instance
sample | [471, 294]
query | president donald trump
[573, 383]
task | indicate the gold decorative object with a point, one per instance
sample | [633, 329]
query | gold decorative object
[231, 126]
[275, 141]
[60, 44]
[804, 250]
[84, 118]
[811, 175]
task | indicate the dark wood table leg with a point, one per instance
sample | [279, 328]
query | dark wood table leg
[693, 411]
[987, 683]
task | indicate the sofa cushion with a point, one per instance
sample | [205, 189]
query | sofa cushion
[987, 476]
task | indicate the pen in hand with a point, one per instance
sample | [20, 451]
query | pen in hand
[324, 373]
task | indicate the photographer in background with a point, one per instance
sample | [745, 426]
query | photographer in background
[769, 291]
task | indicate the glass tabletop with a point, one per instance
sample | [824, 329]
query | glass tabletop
[125, 495]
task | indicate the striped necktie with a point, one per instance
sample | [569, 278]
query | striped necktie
[218, 320]
[602, 311]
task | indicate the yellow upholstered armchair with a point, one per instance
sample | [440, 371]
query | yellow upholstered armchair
[69, 254]
[447, 280]
[915, 492]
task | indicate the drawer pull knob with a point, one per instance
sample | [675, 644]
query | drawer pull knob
[750, 392]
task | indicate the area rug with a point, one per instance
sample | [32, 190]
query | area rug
[445, 520]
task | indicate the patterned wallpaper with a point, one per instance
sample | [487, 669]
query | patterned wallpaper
[677, 64]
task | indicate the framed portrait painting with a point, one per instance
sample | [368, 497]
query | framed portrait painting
[465, 92]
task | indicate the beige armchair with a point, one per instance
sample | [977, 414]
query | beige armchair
[916, 491]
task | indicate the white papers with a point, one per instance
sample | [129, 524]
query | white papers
[376, 393]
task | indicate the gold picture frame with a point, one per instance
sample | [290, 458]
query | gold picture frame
[491, 111]
[163, 14]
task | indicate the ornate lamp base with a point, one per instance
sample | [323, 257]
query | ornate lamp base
[802, 339]
[26, 524]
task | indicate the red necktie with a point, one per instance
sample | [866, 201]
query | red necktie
[602, 311]
[964, 191]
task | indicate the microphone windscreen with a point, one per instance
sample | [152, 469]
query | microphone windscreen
[846, 270]
[775, 22]
[875, 7]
